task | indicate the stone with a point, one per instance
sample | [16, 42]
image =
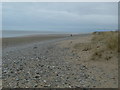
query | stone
[44, 81]
[37, 76]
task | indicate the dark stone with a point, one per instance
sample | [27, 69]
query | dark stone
[36, 76]
[36, 86]
[37, 73]
[34, 47]
[42, 65]
[57, 75]
[11, 71]
[67, 78]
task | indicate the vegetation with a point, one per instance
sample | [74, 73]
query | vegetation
[107, 45]
[103, 46]
[110, 39]
[83, 46]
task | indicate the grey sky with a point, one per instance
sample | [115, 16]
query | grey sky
[68, 17]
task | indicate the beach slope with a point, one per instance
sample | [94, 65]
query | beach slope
[63, 62]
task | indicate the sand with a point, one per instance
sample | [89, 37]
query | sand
[52, 61]
[12, 41]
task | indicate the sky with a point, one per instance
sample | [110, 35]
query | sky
[60, 16]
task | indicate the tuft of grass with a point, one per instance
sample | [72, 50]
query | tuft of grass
[97, 54]
[110, 39]
[112, 42]
[83, 46]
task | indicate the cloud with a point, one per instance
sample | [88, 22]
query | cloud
[60, 16]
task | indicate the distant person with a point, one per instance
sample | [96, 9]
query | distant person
[71, 35]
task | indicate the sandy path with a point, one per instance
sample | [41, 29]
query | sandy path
[46, 64]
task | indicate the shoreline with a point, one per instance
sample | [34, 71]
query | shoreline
[13, 41]
[27, 39]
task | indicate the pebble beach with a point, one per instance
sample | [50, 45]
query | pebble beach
[53, 64]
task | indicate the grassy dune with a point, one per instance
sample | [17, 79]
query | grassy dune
[103, 46]
[110, 39]
[107, 45]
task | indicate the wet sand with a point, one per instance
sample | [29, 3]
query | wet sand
[12, 41]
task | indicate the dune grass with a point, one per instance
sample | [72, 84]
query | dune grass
[83, 46]
[110, 39]
[103, 46]
[109, 45]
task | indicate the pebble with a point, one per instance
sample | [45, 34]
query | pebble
[53, 66]
[36, 85]
[17, 79]
[44, 81]
[37, 77]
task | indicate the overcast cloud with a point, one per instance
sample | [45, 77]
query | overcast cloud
[68, 17]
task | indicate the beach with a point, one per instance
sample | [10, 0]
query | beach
[12, 41]
[55, 61]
